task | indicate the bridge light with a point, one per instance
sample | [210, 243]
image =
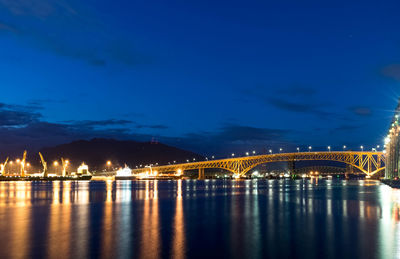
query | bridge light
[254, 152]
[344, 147]
[233, 154]
[362, 148]
[247, 153]
[298, 149]
[309, 148]
[329, 148]
[280, 149]
[187, 160]
[270, 151]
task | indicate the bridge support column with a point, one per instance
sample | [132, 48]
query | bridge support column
[201, 174]
[292, 167]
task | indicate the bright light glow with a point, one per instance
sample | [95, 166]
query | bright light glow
[55, 163]
[108, 162]
[387, 140]
[18, 160]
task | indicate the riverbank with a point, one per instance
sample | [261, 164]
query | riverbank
[391, 183]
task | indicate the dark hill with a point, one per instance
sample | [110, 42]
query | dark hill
[97, 152]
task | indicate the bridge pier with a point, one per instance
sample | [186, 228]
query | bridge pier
[201, 174]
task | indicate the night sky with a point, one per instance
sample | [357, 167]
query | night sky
[213, 77]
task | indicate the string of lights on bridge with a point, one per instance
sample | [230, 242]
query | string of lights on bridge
[254, 152]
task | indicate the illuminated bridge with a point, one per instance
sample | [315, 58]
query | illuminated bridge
[369, 163]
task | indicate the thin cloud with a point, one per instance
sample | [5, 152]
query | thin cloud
[392, 71]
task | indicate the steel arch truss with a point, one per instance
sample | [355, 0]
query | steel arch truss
[367, 162]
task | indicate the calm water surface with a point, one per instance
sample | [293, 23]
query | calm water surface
[199, 219]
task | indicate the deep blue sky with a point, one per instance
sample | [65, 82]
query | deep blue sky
[211, 76]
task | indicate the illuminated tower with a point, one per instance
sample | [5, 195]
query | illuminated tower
[392, 147]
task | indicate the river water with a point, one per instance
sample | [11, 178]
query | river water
[199, 219]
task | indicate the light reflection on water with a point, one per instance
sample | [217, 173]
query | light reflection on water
[182, 219]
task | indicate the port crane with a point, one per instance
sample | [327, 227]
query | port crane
[64, 166]
[3, 167]
[23, 164]
[44, 164]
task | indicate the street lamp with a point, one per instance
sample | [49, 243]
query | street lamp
[270, 151]
[344, 147]
[329, 148]
[254, 152]
[280, 150]
[247, 153]
[233, 154]
[362, 148]
[298, 149]
[309, 148]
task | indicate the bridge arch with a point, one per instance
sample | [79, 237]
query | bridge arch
[367, 162]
